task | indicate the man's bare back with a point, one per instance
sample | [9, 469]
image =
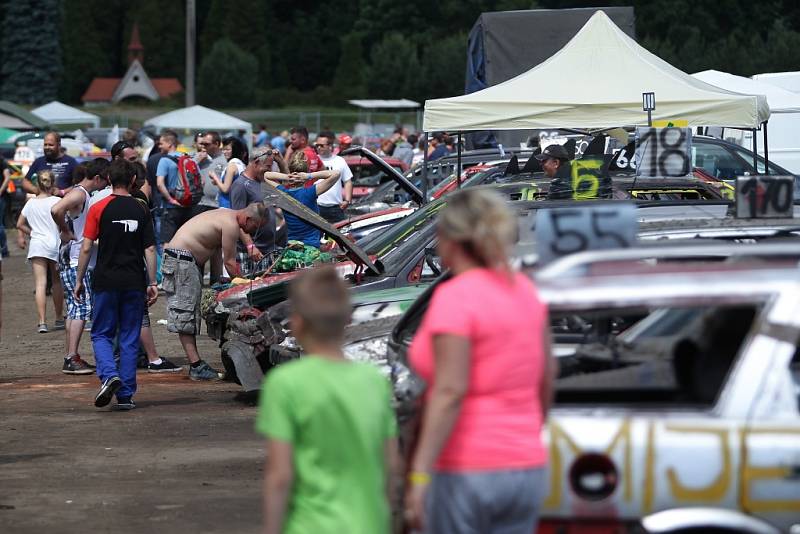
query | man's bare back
[206, 232]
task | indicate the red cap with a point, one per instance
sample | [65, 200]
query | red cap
[345, 139]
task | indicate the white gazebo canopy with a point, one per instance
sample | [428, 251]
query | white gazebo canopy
[57, 113]
[779, 100]
[197, 118]
[595, 81]
[402, 103]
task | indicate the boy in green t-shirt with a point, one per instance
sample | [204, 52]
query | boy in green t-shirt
[331, 431]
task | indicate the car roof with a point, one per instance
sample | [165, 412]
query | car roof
[657, 285]
[658, 258]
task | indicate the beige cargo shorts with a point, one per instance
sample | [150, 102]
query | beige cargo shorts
[184, 288]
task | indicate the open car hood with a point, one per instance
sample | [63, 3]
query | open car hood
[401, 180]
[278, 199]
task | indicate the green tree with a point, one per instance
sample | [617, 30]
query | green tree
[442, 68]
[389, 72]
[162, 27]
[32, 62]
[86, 59]
[213, 26]
[223, 76]
[350, 80]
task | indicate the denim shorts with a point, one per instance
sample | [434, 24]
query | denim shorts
[507, 501]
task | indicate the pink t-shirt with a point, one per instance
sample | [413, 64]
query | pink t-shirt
[499, 426]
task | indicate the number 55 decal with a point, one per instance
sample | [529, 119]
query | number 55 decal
[564, 231]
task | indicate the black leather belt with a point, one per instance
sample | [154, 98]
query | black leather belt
[179, 255]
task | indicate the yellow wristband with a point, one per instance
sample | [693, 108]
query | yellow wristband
[418, 478]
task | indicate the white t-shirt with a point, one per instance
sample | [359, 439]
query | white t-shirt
[333, 196]
[45, 236]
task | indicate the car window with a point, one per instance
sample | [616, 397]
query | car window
[718, 162]
[672, 356]
[368, 174]
[747, 155]
[390, 240]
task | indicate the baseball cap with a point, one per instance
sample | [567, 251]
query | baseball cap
[260, 152]
[553, 151]
[345, 139]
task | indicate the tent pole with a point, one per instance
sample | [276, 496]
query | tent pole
[766, 150]
[755, 151]
[425, 166]
[458, 163]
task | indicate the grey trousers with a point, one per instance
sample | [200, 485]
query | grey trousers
[486, 502]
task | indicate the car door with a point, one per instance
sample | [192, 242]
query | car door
[718, 161]
[770, 442]
[641, 425]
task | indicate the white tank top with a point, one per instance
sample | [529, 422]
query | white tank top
[78, 224]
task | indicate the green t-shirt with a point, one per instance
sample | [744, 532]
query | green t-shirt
[337, 416]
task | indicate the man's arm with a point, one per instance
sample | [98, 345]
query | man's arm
[83, 263]
[392, 467]
[328, 179]
[162, 188]
[27, 185]
[60, 209]
[347, 193]
[6, 180]
[229, 238]
[278, 479]
[150, 265]
[282, 165]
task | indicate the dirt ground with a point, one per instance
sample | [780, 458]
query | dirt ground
[186, 460]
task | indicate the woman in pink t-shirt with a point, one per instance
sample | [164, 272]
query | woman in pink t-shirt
[484, 350]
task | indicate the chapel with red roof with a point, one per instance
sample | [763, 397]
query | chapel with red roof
[136, 82]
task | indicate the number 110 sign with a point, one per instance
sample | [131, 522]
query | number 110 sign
[663, 152]
[765, 197]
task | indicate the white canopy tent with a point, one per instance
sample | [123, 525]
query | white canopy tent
[57, 113]
[595, 81]
[200, 118]
[779, 100]
[784, 143]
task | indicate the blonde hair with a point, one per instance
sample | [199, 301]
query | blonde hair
[44, 181]
[298, 162]
[482, 224]
[322, 299]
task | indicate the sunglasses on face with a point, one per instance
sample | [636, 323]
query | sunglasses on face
[318, 145]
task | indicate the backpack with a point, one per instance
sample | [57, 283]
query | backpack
[189, 189]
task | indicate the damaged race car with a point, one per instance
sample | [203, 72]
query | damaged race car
[679, 391]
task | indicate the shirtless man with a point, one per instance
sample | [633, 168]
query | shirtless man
[192, 245]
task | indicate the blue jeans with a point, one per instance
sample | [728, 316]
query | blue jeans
[112, 310]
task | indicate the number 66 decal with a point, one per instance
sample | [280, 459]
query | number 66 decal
[564, 231]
